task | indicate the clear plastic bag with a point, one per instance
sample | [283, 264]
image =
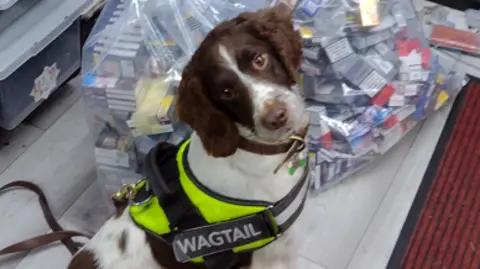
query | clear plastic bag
[368, 76]
[473, 18]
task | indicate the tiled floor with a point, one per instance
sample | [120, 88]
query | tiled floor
[353, 226]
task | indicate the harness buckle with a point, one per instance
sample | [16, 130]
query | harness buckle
[271, 223]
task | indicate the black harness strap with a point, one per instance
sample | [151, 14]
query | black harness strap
[178, 208]
[287, 210]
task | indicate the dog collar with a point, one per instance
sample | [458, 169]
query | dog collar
[201, 223]
[271, 148]
[293, 146]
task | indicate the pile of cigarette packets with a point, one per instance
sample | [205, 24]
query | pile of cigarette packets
[369, 77]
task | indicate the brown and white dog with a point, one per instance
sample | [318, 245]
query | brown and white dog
[238, 84]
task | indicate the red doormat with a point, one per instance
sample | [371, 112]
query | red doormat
[442, 229]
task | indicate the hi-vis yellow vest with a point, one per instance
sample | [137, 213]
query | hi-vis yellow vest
[230, 224]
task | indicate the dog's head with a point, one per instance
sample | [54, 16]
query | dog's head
[239, 82]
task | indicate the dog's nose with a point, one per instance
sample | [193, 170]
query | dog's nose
[275, 116]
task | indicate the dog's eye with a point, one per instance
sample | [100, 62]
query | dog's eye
[260, 61]
[228, 94]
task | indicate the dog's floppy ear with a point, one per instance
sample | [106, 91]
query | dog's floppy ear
[218, 133]
[275, 25]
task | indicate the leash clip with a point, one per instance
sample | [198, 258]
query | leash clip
[126, 193]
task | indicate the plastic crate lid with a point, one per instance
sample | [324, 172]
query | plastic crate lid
[6, 4]
[15, 12]
[39, 26]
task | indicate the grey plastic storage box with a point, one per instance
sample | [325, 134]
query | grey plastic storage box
[38, 53]
[6, 4]
[14, 12]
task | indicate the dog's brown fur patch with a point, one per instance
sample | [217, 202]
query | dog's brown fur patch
[122, 242]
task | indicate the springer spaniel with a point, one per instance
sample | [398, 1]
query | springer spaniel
[237, 87]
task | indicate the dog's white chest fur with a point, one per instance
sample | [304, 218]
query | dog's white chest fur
[243, 175]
